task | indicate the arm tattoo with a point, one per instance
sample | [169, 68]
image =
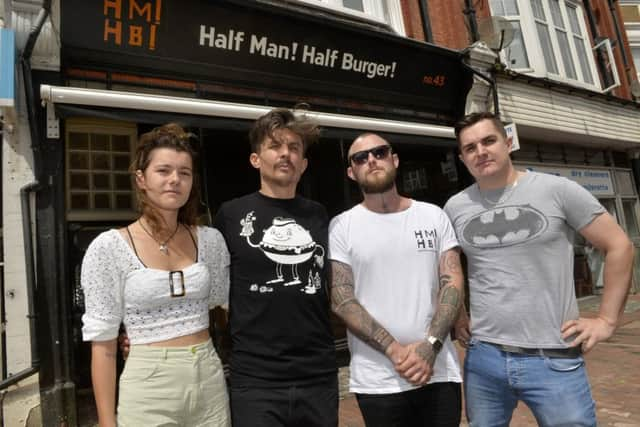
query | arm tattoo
[426, 353]
[452, 261]
[449, 296]
[445, 279]
[349, 309]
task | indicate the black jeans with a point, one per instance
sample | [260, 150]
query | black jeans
[314, 405]
[434, 405]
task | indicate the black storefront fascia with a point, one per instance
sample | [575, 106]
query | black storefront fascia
[268, 49]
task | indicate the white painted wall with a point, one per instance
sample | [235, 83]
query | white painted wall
[17, 171]
[17, 163]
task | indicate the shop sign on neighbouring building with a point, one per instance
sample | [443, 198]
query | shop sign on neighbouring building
[597, 181]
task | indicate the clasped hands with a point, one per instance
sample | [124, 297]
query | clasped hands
[414, 362]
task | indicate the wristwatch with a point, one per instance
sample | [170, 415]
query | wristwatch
[435, 343]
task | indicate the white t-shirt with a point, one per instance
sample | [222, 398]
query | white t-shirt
[394, 258]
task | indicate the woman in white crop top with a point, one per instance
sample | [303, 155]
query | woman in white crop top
[159, 276]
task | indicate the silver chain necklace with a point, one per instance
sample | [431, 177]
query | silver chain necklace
[506, 195]
[162, 245]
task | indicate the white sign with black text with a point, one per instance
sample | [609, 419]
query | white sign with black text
[598, 182]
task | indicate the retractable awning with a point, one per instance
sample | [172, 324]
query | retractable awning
[212, 108]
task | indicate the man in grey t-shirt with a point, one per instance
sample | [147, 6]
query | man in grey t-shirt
[526, 338]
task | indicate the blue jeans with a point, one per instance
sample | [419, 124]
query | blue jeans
[555, 389]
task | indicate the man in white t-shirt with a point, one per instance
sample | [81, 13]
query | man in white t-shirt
[398, 285]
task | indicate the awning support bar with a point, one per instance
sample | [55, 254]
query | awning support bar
[203, 107]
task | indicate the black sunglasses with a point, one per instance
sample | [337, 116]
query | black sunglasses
[380, 152]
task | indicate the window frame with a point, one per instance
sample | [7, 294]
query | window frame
[105, 127]
[374, 11]
[533, 45]
[633, 32]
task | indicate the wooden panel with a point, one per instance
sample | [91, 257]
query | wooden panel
[547, 109]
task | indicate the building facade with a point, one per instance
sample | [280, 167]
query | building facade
[118, 68]
[92, 76]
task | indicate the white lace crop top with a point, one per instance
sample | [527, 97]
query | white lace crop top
[118, 288]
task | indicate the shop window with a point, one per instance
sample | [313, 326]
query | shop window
[630, 209]
[527, 152]
[635, 51]
[550, 40]
[552, 153]
[624, 183]
[415, 180]
[427, 174]
[620, 159]
[610, 206]
[636, 270]
[596, 158]
[98, 182]
[574, 155]
[384, 11]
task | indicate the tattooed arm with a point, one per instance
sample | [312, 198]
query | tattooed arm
[462, 327]
[356, 317]
[450, 296]
[418, 367]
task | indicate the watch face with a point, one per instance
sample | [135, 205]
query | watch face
[435, 342]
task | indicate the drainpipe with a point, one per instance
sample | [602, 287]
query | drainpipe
[593, 26]
[25, 59]
[616, 26]
[25, 191]
[470, 11]
[426, 22]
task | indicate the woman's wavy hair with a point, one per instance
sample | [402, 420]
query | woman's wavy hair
[174, 137]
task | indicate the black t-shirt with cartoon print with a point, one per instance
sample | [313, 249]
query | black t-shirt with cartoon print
[278, 301]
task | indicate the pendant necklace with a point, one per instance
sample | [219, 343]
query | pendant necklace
[506, 195]
[163, 245]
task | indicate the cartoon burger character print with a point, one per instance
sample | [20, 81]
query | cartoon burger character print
[286, 242]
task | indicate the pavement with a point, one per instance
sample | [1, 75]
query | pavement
[613, 367]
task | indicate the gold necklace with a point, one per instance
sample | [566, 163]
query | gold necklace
[163, 245]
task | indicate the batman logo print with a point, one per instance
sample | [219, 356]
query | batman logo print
[504, 226]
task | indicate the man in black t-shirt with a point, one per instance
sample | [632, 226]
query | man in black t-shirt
[283, 368]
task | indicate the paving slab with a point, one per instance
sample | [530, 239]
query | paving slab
[613, 367]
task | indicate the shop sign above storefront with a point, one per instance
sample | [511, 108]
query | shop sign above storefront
[261, 46]
[597, 181]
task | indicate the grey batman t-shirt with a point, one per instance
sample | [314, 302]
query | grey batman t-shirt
[519, 246]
